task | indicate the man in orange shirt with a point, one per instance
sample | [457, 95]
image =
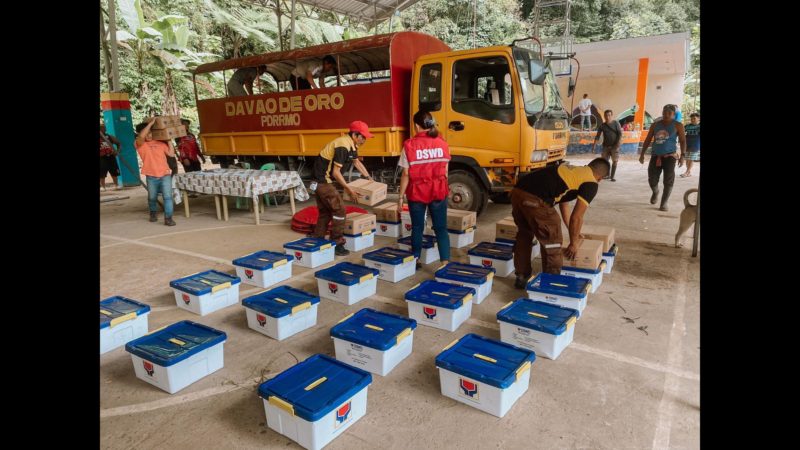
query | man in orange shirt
[156, 170]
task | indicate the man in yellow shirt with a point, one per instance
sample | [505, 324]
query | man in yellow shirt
[532, 205]
[156, 170]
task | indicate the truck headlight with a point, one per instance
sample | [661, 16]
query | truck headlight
[539, 156]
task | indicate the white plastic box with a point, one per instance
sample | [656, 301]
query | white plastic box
[388, 229]
[561, 290]
[405, 222]
[429, 252]
[594, 276]
[545, 328]
[206, 292]
[477, 277]
[372, 340]
[459, 239]
[609, 257]
[484, 373]
[358, 242]
[347, 283]
[176, 356]
[394, 264]
[264, 268]
[281, 312]
[315, 401]
[121, 321]
[440, 305]
[310, 252]
[488, 254]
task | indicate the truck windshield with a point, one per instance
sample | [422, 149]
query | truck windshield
[532, 94]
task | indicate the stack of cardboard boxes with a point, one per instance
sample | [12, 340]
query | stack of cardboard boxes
[167, 128]
[461, 227]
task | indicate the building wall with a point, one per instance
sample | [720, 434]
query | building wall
[619, 93]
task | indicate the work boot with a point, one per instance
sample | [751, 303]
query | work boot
[169, 222]
[665, 198]
[419, 265]
[153, 216]
[613, 171]
[520, 282]
[654, 197]
[341, 251]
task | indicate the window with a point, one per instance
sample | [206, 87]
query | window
[482, 88]
[430, 87]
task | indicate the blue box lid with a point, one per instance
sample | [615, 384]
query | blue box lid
[612, 251]
[599, 269]
[309, 244]
[487, 360]
[363, 233]
[540, 316]
[443, 295]
[313, 388]
[263, 260]
[548, 283]
[492, 250]
[174, 343]
[389, 255]
[117, 309]
[504, 241]
[347, 273]
[468, 230]
[280, 301]
[374, 329]
[428, 241]
[205, 282]
[467, 273]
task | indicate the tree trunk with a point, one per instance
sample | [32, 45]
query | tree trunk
[170, 103]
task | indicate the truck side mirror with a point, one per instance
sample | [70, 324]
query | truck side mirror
[571, 87]
[537, 72]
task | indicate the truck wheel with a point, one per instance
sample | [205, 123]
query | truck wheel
[465, 192]
[502, 198]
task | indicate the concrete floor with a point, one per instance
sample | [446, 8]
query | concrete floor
[614, 387]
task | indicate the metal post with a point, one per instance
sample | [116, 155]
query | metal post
[291, 40]
[112, 30]
[280, 26]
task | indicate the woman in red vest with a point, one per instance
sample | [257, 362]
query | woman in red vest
[424, 162]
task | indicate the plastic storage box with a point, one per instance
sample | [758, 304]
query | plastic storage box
[206, 292]
[440, 305]
[281, 312]
[314, 401]
[310, 252]
[177, 355]
[535, 250]
[489, 254]
[372, 340]
[389, 229]
[264, 268]
[561, 290]
[594, 276]
[477, 277]
[405, 222]
[429, 252]
[461, 238]
[346, 282]
[360, 241]
[121, 321]
[483, 373]
[394, 264]
[609, 258]
[545, 328]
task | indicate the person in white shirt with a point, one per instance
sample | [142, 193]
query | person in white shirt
[585, 106]
[305, 71]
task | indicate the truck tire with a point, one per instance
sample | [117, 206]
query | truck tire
[502, 198]
[465, 192]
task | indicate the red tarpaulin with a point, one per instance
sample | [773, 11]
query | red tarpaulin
[305, 219]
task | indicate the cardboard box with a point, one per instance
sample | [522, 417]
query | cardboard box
[588, 256]
[460, 220]
[506, 229]
[600, 233]
[370, 192]
[387, 212]
[164, 122]
[357, 223]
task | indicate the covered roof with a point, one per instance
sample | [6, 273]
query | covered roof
[368, 10]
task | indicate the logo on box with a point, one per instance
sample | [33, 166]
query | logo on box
[343, 414]
[261, 319]
[468, 388]
[523, 331]
[408, 227]
[186, 298]
[298, 255]
[148, 367]
[486, 263]
[333, 287]
[430, 313]
[384, 227]
[249, 273]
